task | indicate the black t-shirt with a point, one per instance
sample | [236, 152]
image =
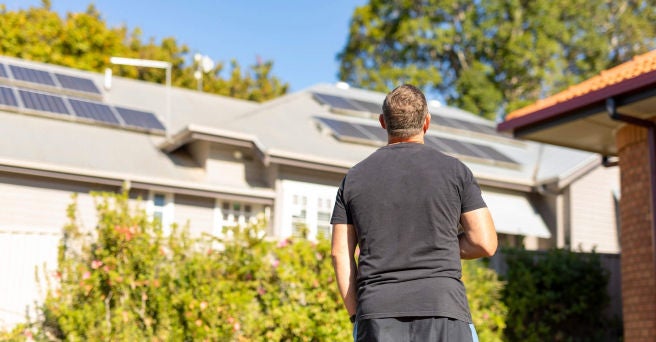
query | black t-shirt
[405, 201]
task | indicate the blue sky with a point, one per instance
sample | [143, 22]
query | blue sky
[301, 37]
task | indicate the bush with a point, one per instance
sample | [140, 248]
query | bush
[484, 296]
[126, 281]
[129, 282]
[556, 296]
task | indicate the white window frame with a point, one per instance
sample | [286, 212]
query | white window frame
[167, 210]
[233, 217]
[292, 210]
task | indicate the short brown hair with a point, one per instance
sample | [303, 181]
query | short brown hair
[404, 111]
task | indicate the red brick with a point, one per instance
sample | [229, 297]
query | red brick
[638, 269]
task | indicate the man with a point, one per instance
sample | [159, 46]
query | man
[401, 206]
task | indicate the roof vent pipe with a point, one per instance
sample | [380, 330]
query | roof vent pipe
[108, 79]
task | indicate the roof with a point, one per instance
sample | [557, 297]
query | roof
[562, 118]
[293, 130]
[292, 124]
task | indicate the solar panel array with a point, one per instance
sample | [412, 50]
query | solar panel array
[47, 79]
[350, 104]
[344, 103]
[369, 134]
[37, 101]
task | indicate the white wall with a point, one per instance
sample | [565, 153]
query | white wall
[198, 212]
[234, 167]
[32, 215]
[593, 211]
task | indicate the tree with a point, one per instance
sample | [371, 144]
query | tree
[84, 41]
[490, 57]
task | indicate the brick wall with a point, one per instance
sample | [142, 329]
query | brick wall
[638, 269]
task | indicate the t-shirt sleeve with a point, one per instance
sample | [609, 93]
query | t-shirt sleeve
[340, 211]
[471, 198]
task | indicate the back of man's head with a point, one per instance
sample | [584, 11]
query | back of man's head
[404, 111]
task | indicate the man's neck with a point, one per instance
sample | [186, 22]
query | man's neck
[417, 139]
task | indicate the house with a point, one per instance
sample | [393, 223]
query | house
[212, 162]
[613, 114]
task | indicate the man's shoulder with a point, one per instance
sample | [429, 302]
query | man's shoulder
[427, 154]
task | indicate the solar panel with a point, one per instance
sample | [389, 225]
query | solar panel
[435, 142]
[344, 129]
[3, 72]
[460, 148]
[77, 83]
[336, 102]
[467, 149]
[32, 75]
[440, 121]
[7, 97]
[139, 119]
[371, 107]
[491, 153]
[94, 111]
[475, 127]
[378, 133]
[464, 125]
[43, 102]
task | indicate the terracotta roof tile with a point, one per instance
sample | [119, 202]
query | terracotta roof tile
[637, 66]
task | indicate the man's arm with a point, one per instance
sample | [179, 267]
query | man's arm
[343, 250]
[480, 238]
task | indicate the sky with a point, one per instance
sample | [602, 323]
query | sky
[302, 38]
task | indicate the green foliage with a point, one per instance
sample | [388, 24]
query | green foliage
[491, 56]
[556, 296]
[126, 281]
[84, 41]
[484, 296]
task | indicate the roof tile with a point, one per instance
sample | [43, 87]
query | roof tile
[639, 65]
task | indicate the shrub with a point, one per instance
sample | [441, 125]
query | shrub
[127, 281]
[484, 296]
[556, 296]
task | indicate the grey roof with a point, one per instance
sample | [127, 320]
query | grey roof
[284, 127]
[289, 124]
[41, 142]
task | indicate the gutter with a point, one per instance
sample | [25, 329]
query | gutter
[564, 108]
[651, 137]
[263, 196]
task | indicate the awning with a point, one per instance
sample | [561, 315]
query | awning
[513, 214]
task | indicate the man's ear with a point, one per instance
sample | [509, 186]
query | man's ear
[427, 121]
[382, 121]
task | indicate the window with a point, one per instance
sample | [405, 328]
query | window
[306, 209]
[160, 207]
[299, 218]
[324, 212]
[234, 213]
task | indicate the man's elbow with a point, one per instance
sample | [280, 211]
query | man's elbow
[490, 247]
[338, 257]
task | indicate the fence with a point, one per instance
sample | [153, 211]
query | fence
[24, 254]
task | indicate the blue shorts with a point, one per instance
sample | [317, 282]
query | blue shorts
[410, 329]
